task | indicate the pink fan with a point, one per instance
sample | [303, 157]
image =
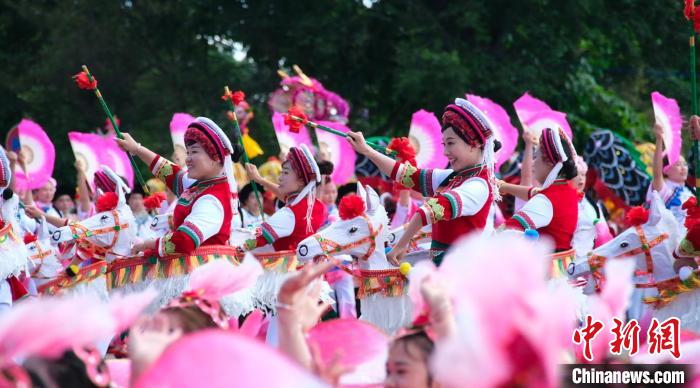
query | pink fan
[339, 150]
[178, 126]
[87, 148]
[117, 160]
[498, 119]
[668, 114]
[119, 371]
[356, 341]
[38, 152]
[287, 139]
[535, 115]
[426, 136]
[218, 358]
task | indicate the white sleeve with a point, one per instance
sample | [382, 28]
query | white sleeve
[537, 212]
[281, 224]
[438, 176]
[471, 196]
[205, 219]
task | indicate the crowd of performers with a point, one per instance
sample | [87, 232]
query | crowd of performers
[240, 258]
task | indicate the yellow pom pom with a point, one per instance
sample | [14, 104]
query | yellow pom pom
[405, 268]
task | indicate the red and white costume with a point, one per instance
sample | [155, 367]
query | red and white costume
[458, 202]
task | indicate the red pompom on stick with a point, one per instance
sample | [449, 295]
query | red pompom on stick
[404, 150]
[85, 81]
[153, 201]
[351, 206]
[295, 119]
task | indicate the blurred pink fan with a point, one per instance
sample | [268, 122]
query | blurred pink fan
[87, 150]
[339, 151]
[217, 358]
[126, 308]
[47, 327]
[219, 278]
[119, 372]
[355, 341]
[116, 159]
[535, 115]
[38, 152]
[426, 136]
[286, 138]
[178, 126]
[668, 114]
[493, 348]
[503, 129]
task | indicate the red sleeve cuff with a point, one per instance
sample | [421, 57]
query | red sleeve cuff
[395, 170]
[153, 163]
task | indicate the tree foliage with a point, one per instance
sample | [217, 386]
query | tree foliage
[597, 60]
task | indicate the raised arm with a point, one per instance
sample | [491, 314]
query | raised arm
[528, 158]
[83, 189]
[384, 163]
[128, 144]
[658, 168]
[255, 176]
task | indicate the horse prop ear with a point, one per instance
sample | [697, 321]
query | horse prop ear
[656, 209]
[372, 199]
[363, 194]
[44, 229]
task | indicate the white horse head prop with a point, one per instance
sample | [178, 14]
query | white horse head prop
[363, 236]
[43, 256]
[107, 235]
[650, 244]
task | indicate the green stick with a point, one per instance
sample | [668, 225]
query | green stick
[116, 129]
[694, 107]
[343, 134]
[237, 133]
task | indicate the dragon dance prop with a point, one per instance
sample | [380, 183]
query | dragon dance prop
[85, 80]
[234, 99]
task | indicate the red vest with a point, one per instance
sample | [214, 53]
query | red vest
[319, 214]
[564, 199]
[446, 232]
[218, 187]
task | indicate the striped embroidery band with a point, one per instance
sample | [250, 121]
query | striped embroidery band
[524, 220]
[426, 182]
[268, 233]
[193, 232]
[455, 203]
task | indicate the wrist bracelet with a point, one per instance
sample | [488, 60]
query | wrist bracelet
[283, 306]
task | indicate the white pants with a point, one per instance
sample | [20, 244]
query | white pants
[5, 297]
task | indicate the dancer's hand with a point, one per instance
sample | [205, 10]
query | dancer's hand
[396, 254]
[658, 131]
[695, 127]
[253, 172]
[128, 144]
[297, 303]
[358, 143]
[148, 339]
[33, 211]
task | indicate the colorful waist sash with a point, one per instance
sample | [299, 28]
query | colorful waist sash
[280, 261]
[669, 289]
[86, 274]
[138, 269]
[387, 282]
[560, 263]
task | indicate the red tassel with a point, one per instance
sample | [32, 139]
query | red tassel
[83, 81]
[295, 125]
[153, 201]
[636, 216]
[351, 206]
[689, 10]
[107, 201]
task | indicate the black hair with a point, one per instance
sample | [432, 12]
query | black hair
[7, 194]
[348, 188]
[325, 167]
[237, 151]
[138, 189]
[67, 371]
[496, 144]
[422, 343]
[568, 168]
[247, 190]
